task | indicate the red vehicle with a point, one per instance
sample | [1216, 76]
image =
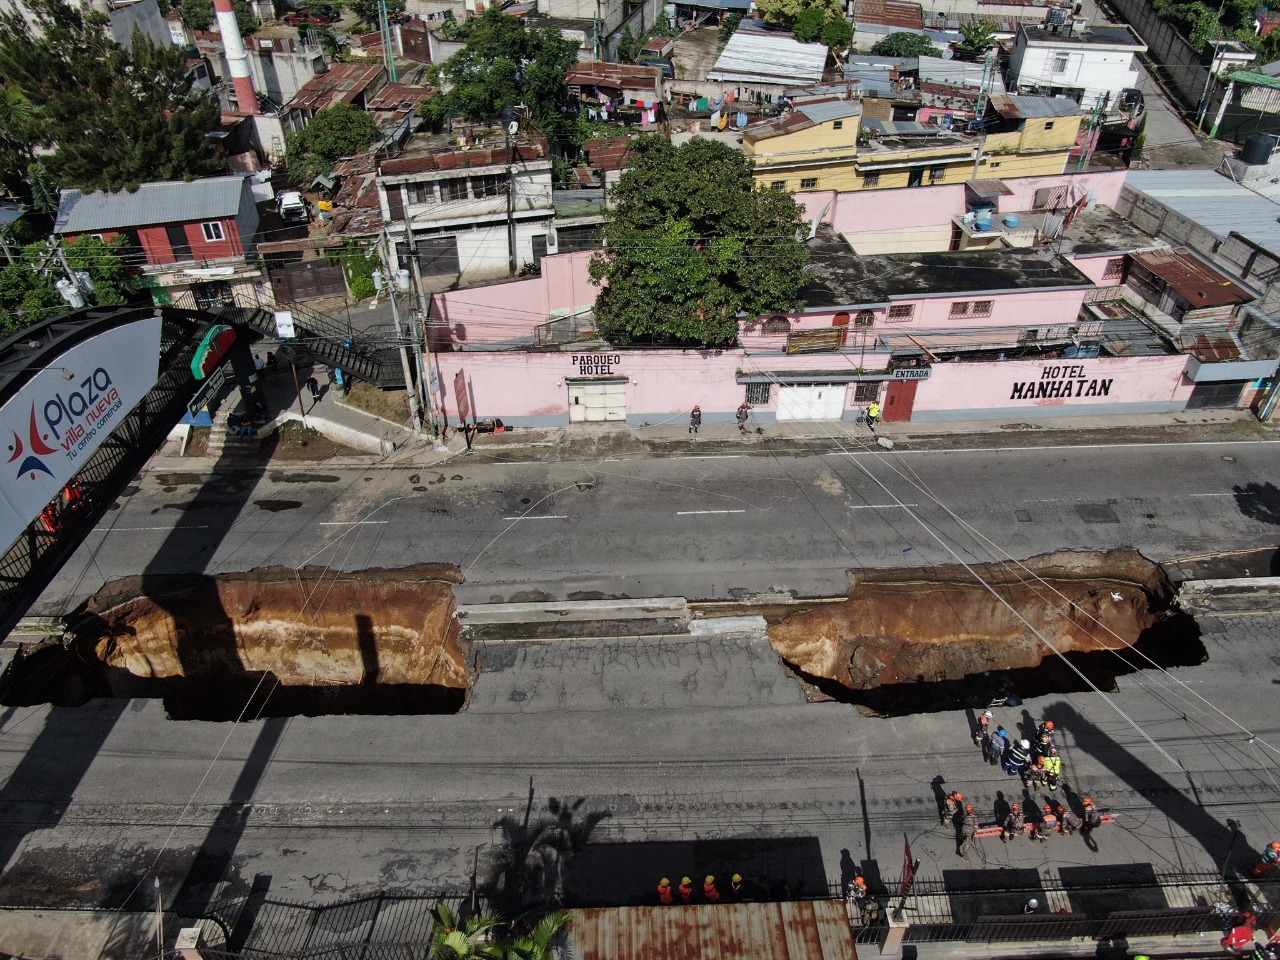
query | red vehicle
[306, 18]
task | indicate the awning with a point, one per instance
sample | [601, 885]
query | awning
[988, 189]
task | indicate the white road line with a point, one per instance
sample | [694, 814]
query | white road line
[349, 523]
[714, 456]
[203, 526]
[1056, 500]
[1213, 494]
[537, 518]
[880, 506]
[690, 513]
[1079, 446]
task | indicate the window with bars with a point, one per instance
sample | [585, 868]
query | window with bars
[453, 189]
[777, 325]
[809, 183]
[779, 184]
[420, 192]
[493, 186]
[865, 318]
[871, 180]
[866, 391]
[758, 393]
[902, 311]
[960, 308]
[937, 173]
[981, 308]
[1114, 270]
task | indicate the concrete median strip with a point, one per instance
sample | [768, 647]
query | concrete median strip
[563, 611]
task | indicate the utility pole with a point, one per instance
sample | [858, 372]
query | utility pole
[1204, 94]
[511, 121]
[388, 45]
[422, 351]
[392, 273]
[1095, 121]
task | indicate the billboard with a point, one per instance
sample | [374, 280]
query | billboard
[60, 418]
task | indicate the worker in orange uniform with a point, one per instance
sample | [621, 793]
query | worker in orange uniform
[709, 889]
[951, 806]
[1270, 857]
[686, 890]
[665, 894]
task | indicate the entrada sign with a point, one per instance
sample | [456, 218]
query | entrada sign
[912, 373]
[1060, 382]
[596, 364]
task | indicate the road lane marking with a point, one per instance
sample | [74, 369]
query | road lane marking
[714, 456]
[1213, 494]
[1055, 449]
[880, 506]
[692, 513]
[557, 517]
[349, 523]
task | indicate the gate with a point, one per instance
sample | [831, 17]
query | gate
[307, 280]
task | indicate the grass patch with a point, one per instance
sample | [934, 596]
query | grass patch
[388, 404]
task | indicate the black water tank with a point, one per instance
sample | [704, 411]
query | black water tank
[1257, 149]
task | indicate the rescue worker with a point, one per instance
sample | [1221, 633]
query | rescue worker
[686, 890]
[736, 886]
[709, 889]
[1031, 906]
[951, 806]
[873, 415]
[665, 894]
[1035, 774]
[1039, 829]
[968, 830]
[1046, 731]
[859, 889]
[999, 743]
[1270, 857]
[1052, 769]
[1068, 822]
[695, 419]
[1013, 823]
[1092, 817]
[983, 735]
[743, 413]
[1018, 757]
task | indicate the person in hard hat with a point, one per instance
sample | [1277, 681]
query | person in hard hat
[737, 886]
[968, 831]
[1013, 823]
[1033, 776]
[1052, 769]
[1270, 857]
[686, 890]
[950, 807]
[709, 889]
[1018, 757]
[982, 737]
[665, 894]
[695, 419]
[1032, 906]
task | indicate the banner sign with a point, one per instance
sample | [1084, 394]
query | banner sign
[59, 419]
[908, 867]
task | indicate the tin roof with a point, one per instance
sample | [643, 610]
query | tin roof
[1192, 279]
[167, 201]
[798, 930]
[1213, 202]
[597, 72]
[757, 55]
[804, 117]
[1024, 107]
[342, 84]
[889, 13]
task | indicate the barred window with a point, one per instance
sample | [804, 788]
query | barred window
[866, 391]
[982, 308]
[777, 325]
[1114, 270]
[809, 183]
[453, 189]
[758, 393]
[865, 318]
[488, 186]
[960, 308]
[871, 180]
[902, 311]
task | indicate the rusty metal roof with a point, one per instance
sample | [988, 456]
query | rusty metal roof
[598, 73]
[1199, 284]
[801, 930]
[342, 84]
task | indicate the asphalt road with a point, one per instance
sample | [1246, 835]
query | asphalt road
[696, 753]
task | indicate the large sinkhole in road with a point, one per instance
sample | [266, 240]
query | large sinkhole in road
[270, 642]
[913, 641]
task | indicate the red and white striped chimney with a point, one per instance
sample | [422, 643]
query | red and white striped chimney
[237, 59]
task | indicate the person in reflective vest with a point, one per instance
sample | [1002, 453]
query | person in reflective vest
[1052, 769]
[686, 890]
[664, 892]
[709, 889]
[1018, 757]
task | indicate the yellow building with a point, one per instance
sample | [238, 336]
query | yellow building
[1029, 136]
[811, 148]
[829, 145]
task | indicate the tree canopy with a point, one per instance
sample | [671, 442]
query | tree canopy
[334, 132]
[115, 118]
[978, 39]
[367, 10]
[784, 12]
[27, 291]
[905, 43]
[200, 15]
[692, 245]
[816, 25]
[504, 63]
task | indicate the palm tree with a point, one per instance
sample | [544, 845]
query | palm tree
[537, 943]
[469, 939]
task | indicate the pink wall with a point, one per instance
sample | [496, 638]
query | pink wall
[1156, 383]
[508, 311]
[1095, 267]
[926, 206]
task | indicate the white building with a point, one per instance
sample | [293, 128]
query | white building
[454, 200]
[1083, 65]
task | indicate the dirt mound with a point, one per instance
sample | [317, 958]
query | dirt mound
[309, 628]
[911, 626]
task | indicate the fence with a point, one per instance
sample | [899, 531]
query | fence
[1167, 50]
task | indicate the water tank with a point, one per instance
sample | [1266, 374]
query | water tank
[1257, 149]
[1012, 221]
[982, 224]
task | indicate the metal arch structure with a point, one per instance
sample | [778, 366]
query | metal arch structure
[28, 566]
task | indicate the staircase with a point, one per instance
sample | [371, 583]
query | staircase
[328, 339]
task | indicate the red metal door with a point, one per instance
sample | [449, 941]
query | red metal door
[900, 400]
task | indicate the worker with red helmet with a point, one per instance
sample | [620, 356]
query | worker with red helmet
[951, 806]
[1270, 857]
[1013, 823]
[968, 830]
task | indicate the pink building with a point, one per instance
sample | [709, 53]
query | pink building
[969, 314]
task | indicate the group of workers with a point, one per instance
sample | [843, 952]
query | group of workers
[1036, 762]
[710, 890]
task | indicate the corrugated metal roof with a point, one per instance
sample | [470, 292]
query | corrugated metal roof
[1024, 107]
[1254, 79]
[900, 128]
[803, 930]
[152, 203]
[1213, 202]
[1192, 279]
[826, 110]
[753, 56]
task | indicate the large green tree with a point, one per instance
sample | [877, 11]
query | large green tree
[505, 63]
[334, 132]
[200, 15]
[115, 118]
[783, 13]
[978, 39]
[816, 25]
[27, 291]
[367, 10]
[692, 245]
[905, 43]
[18, 139]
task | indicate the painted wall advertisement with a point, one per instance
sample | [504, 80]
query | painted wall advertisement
[59, 419]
